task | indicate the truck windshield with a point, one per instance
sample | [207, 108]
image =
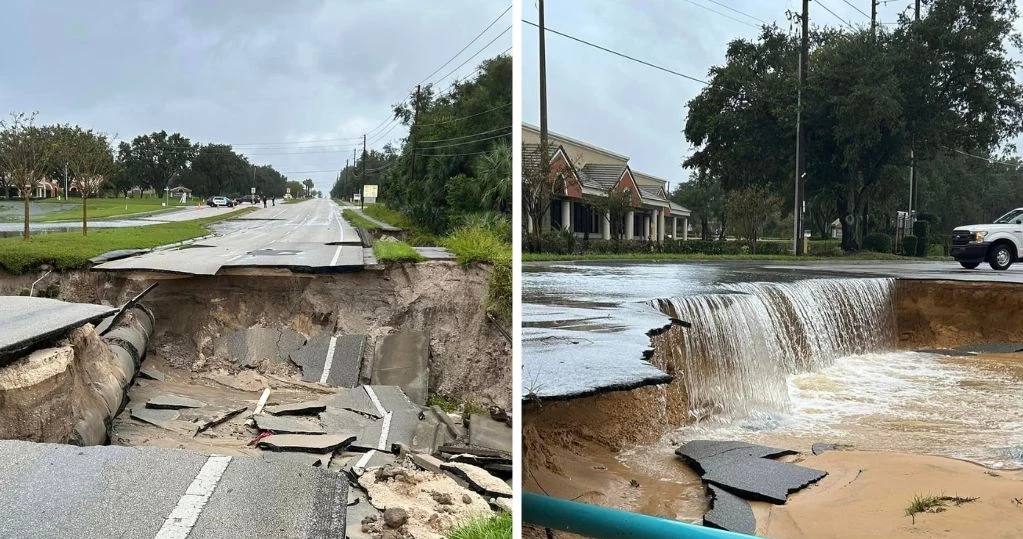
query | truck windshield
[1010, 217]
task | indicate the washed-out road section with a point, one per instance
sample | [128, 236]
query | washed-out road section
[310, 237]
[585, 324]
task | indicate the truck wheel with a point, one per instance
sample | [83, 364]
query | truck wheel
[969, 265]
[1000, 257]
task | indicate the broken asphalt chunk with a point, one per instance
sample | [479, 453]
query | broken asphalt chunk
[702, 455]
[152, 374]
[211, 416]
[173, 402]
[729, 512]
[287, 424]
[486, 432]
[311, 443]
[163, 418]
[345, 359]
[478, 479]
[761, 479]
[298, 408]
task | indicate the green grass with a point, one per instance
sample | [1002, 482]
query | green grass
[546, 257]
[454, 405]
[70, 250]
[476, 244]
[395, 251]
[394, 218]
[488, 527]
[358, 221]
[101, 208]
[934, 504]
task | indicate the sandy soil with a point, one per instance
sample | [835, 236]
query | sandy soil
[865, 495]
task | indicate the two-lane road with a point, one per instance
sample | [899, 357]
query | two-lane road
[310, 237]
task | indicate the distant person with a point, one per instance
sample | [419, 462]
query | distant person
[264, 200]
[273, 199]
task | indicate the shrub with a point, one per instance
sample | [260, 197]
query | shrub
[558, 243]
[475, 244]
[877, 242]
[484, 527]
[499, 290]
[936, 250]
[909, 245]
[921, 229]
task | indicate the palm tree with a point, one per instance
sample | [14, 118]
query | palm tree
[494, 174]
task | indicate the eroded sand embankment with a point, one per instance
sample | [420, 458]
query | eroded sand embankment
[571, 447]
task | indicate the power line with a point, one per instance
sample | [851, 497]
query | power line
[730, 8]
[451, 87]
[467, 45]
[503, 135]
[712, 10]
[826, 8]
[469, 59]
[502, 128]
[988, 159]
[451, 154]
[627, 57]
[850, 4]
[506, 105]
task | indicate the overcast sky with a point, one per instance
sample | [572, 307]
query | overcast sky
[633, 109]
[294, 84]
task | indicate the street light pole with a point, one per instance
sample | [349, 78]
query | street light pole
[65, 181]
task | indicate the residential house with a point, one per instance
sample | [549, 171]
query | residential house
[585, 170]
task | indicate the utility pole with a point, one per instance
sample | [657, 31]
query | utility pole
[411, 137]
[362, 197]
[65, 182]
[873, 17]
[543, 88]
[797, 215]
[348, 174]
[355, 163]
[913, 187]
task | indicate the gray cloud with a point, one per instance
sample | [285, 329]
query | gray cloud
[636, 110]
[238, 71]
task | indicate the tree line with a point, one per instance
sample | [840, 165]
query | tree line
[455, 165]
[92, 166]
[940, 91]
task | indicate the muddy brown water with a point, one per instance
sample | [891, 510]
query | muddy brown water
[618, 449]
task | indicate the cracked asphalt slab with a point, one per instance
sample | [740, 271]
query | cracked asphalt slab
[310, 237]
[114, 491]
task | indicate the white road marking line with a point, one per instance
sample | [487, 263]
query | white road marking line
[184, 516]
[361, 464]
[382, 444]
[330, 359]
[337, 254]
[376, 401]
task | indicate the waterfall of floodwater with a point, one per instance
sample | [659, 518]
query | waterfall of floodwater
[747, 338]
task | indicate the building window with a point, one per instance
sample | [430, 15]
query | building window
[556, 223]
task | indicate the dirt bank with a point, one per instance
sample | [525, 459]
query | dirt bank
[581, 448]
[469, 358]
[942, 314]
[865, 495]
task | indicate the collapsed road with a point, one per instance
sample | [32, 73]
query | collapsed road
[255, 392]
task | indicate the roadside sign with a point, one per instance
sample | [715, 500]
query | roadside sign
[253, 190]
[357, 196]
[369, 191]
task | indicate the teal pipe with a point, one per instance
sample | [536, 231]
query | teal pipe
[606, 523]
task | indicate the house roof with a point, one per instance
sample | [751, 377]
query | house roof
[531, 155]
[602, 176]
[554, 137]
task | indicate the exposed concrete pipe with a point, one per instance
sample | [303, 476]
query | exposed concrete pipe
[127, 343]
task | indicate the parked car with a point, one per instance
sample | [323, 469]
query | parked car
[220, 201]
[999, 243]
[251, 199]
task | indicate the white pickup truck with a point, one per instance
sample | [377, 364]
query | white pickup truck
[999, 243]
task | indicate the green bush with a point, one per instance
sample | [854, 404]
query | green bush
[475, 244]
[921, 229]
[909, 245]
[877, 242]
[558, 243]
[936, 250]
